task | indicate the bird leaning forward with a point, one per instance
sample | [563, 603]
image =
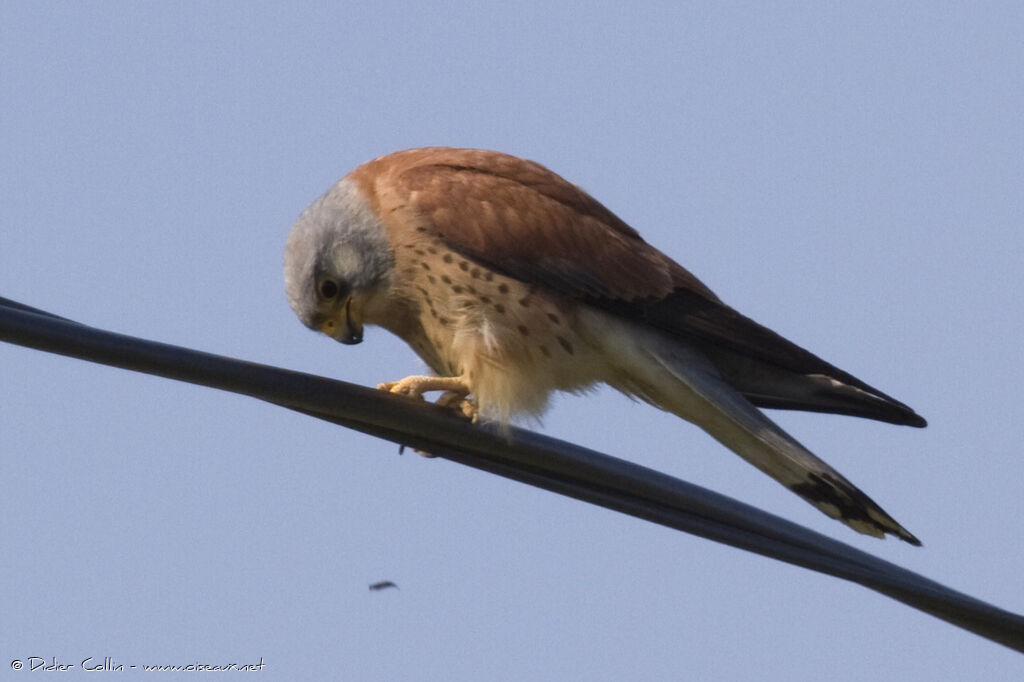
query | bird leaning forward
[512, 283]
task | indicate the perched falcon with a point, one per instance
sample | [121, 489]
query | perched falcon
[512, 283]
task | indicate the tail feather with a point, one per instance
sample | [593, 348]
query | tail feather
[682, 381]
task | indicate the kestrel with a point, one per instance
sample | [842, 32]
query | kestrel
[511, 283]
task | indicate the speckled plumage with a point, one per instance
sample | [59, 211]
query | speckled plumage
[501, 274]
[512, 342]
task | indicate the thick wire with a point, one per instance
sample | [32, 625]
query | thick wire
[520, 455]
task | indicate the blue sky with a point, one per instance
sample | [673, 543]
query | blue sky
[848, 174]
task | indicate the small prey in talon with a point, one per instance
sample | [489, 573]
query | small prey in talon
[512, 283]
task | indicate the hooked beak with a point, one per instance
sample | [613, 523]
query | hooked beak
[346, 328]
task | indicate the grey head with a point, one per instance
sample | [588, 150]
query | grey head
[336, 259]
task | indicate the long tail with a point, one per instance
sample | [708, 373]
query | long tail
[682, 381]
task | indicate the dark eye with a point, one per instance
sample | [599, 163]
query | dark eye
[329, 289]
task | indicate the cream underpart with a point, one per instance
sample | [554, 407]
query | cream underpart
[513, 345]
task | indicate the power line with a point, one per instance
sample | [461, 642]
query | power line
[520, 455]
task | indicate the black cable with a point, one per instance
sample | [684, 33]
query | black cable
[519, 455]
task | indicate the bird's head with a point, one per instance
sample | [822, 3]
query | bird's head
[337, 263]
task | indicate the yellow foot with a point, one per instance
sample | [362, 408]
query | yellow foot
[416, 386]
[457, 402]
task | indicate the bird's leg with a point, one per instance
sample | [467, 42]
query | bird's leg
[416, 386]
[454, 397]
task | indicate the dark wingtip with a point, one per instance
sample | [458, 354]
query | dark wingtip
[908, 537]
[916, 421]
[897, 413]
